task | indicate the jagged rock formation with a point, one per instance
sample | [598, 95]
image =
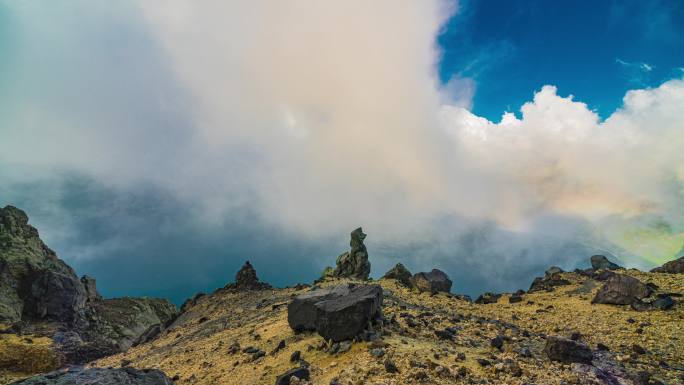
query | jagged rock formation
[547, 283]
[601, 262]
[400, 273]
[673, 267]
[354, 263]
[34, 283]
[435, 281]
[338, 313]
[41, 294]
[246, 279]
[621, 290]
[99, 376]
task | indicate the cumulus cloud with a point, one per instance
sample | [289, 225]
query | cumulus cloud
[318, 117]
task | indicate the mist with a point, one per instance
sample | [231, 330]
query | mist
[184, 137]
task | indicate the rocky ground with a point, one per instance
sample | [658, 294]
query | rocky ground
[243, 337]
[602, 325]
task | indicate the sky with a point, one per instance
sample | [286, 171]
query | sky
[158, 146]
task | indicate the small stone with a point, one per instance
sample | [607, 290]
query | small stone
[390, 367]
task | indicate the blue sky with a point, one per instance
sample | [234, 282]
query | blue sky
[594, 50]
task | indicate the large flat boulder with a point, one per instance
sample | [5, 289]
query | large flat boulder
[337, 313]
[434, 281]
[99, 376]
[621, 289]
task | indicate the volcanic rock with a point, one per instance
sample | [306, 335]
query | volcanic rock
[399, 273]
[672, 267]
[435, 281]
[547, 283]
[621, 290]
[487, 298]
[99, 376]
[246, 279]
[337, 313]
[90, 287]
[354, 263]
[301, 373]
[553, 270]
[34, 283]
[567, 351]
[601, 262]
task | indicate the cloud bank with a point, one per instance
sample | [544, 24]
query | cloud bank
[310, 119]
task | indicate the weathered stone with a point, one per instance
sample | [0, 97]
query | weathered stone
[301, 312]
[354, 263]
[621, 290]
[246, 279]
[90, 286]
[601, 262]
[301, 373]
[34, 283]
[99, 376]
[487, 298]
[399, 273]
[673, 267]
[567, 351]
[344, 317]
[435, 281]
[547, 283]
[553, 270]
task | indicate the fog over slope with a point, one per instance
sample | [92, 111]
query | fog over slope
[157, 146]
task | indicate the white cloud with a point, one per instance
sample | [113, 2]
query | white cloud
[320, 116]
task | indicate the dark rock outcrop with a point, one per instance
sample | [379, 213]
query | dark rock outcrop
[567, 351]
[246, 279]
[354, 263]
[673, 267]
[487, 298]
[90, 286]
[435, 281]
[301, 373]
[34, 283]
[601, 262]
[99, 376]
[547, 283]
[399, 273]
[553, 270]
[337, 313]
[621, 290]
[43, 293]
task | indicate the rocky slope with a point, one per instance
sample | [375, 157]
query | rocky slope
[53, 317]
[601, 325]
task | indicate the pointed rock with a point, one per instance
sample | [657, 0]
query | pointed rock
[354, 263]
[435, 281]
[246, 279]
[399, 273]
[601, 262]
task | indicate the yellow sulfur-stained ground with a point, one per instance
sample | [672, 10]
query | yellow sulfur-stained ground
[197, 350]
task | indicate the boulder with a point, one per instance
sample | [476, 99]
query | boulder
[301, 373]
[547, 283]
[621, 290]
[553, 270]
[99, 376]
[672, 267]
[601, 262]
[400, 274]
[567, 351]
[487, 298]
[435, 281]
[301, 312]
[354, 263]
[516, 297]
[34, 283]
[337, 313]
[246, 279]
[90, 286]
